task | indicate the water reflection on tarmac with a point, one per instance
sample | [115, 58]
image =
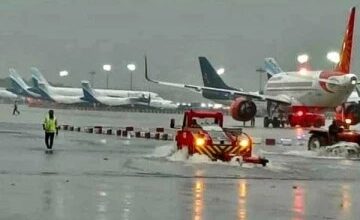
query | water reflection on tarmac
[138, 181]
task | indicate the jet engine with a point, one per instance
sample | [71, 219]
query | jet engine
[352, 112]
[242, 110]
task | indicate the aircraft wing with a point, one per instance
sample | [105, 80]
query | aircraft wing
[253, 95]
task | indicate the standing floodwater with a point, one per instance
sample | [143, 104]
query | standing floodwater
[91, 176]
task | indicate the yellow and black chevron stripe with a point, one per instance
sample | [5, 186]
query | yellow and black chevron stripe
[214, 150]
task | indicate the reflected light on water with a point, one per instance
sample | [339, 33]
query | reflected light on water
[345, 199]
[127, 206]
[102, 202]
[198, 198]
[298, 203]
[242, 197]
[300, 134]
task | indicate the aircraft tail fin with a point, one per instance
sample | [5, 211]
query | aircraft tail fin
[345, 55]
[35, 73]
[272, 67]
[210, 76]
[89, 94]
[35, 84]
[16, 78]
[42, 89]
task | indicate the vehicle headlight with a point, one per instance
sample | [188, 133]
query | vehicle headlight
[199, 141]
[244, 141]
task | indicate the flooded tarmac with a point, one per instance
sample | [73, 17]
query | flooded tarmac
[90, 176]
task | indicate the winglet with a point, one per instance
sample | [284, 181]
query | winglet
[345, 55]
[146, 69]
[146, 72]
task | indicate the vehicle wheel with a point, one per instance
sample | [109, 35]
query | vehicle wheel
[316, 141]
[276, 122]
[266, 122]
[264, 162]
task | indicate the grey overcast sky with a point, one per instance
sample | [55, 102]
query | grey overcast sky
[81, 35]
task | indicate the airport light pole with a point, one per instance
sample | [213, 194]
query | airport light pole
[63, 73]
[131, 67]
[333, 57]
[303, 65]
[92, 76]
[107, 69]
[303, 58]
[261, 71]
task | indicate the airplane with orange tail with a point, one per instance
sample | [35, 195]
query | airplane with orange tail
[294, 98]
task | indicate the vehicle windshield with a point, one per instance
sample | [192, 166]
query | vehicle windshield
[215, 132]
[205, 121]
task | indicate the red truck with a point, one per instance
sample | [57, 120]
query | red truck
[203, 133]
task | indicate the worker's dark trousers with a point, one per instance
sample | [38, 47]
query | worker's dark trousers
[16, 111]
[49, 137]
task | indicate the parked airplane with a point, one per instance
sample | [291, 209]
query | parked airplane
[65, 91]
[90, 95]
[157, 102]
[297, 93]
[47, 94]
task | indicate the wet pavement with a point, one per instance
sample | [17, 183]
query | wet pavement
[92, 176]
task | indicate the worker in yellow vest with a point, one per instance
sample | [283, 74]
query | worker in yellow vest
[50, 128]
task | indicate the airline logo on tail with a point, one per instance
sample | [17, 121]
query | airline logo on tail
[15, 77]
[19, 86]
[89, 95]
[41, 89]
[345, 55]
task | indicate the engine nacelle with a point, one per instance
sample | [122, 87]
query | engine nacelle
[242, 110]
[352, 112]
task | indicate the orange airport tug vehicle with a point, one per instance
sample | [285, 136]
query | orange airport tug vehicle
[203, 133]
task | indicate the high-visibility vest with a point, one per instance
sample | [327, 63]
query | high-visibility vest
[50, 124]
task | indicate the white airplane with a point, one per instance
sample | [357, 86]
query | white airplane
[157, 102]
[50, 96]
[90, 95]
[64, 91]
[297, 93]
[4, 93]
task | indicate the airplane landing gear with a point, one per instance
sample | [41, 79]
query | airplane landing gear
[276, 122]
